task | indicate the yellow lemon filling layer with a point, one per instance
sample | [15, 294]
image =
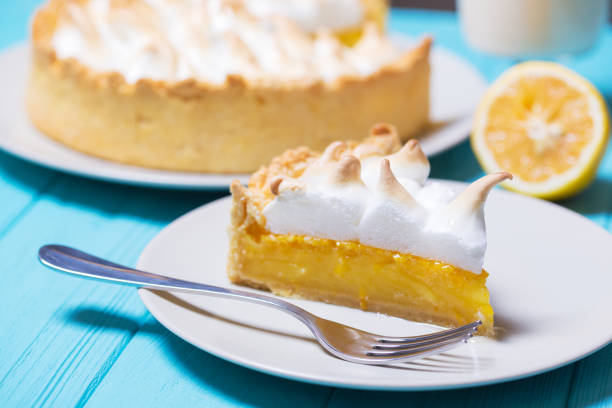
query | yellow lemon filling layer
[356, 275]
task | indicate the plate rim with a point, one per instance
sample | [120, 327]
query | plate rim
[175, 180]
[148, 298]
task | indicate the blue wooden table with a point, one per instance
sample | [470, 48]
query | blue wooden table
[71, 342]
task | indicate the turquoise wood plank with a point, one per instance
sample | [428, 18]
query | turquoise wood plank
[158, 369]
[53, 360]
[592, 382]
[20, 186]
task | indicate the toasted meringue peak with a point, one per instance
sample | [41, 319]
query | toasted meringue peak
[411, 145]
[275, 184]
[383, 140]
[366, 150]
[388, 184]
[474, 196]
[348, 170]
[333, 152]
[280, 184]
[385, 137]
[383, 129]
[326, 164]
[411, 152]
[410, 162]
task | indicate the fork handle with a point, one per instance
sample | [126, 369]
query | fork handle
[73, 261]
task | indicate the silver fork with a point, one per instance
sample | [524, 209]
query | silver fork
[342, 341]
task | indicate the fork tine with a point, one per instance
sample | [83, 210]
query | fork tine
[432, 336]
[415, 355]
[416, 351]
[419, 343]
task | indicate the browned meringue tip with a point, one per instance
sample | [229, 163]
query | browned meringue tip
[411, 152]
[383, 129]
[483, 185]
[365, 150]
[476, 193]
[275, 184]
[348, 170]
[382, 140]
[411, 144]
[333, 151]
[390, 185]
[280, 184]
[501, 175]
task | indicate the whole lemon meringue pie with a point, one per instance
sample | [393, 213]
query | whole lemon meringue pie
[358, 225]
[219, 85]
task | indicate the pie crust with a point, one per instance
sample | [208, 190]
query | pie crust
[203, 127]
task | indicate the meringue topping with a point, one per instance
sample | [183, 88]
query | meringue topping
[473, 198]
[383, 140]
[388, 184]
[262, 40]
[347, 171]
[409, 165]
[390, 206]
[311, 15]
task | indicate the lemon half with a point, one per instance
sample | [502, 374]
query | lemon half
[546, 125]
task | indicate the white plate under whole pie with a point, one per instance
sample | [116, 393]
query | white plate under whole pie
[456, 87]
[549, 281]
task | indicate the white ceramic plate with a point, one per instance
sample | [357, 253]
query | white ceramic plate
[550, 287]
[456, 89]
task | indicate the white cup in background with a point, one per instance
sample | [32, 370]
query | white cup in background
[532, 28]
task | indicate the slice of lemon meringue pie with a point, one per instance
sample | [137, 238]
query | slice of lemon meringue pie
[359, 226]
[219, 85]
